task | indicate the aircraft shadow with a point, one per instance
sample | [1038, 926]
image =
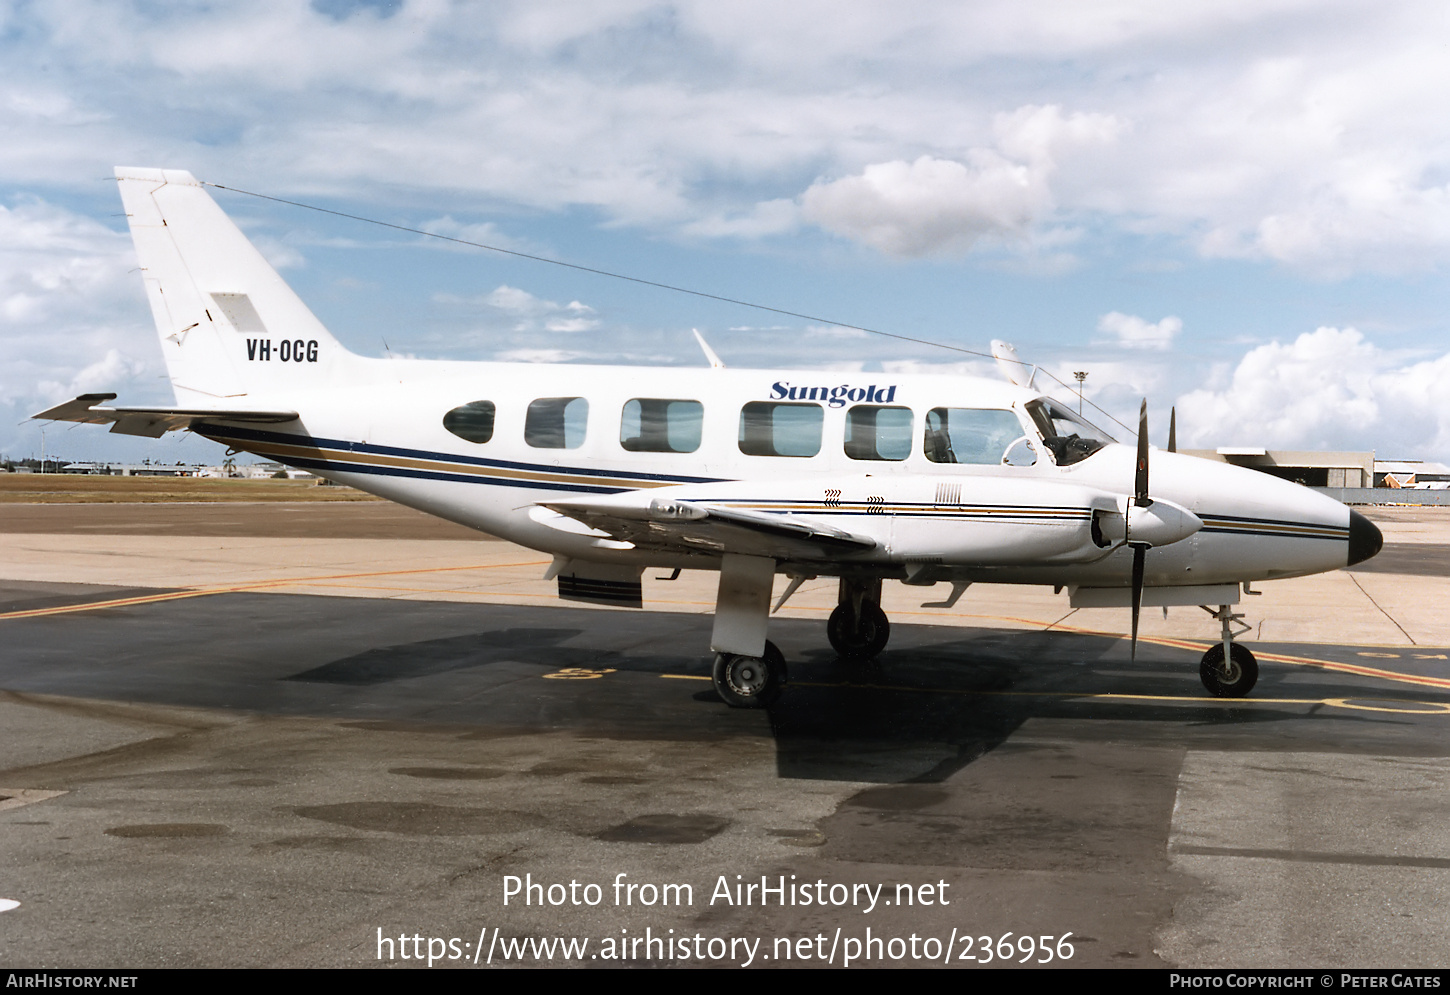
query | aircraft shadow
[938, 700]
[430, 657]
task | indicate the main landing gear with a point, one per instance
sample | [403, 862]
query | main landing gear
[749, 681]
[858, 629]
[1228, 670]
[749, 670]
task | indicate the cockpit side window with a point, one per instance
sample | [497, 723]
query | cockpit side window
[875, 432]
[979, 436]
[771, 429]
[1069, 436]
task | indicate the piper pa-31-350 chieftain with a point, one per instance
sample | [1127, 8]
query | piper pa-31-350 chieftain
[862, 477]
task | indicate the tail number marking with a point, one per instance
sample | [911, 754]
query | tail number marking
[288, 350]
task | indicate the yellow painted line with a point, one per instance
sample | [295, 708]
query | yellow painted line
[334, 585]
[146, 599]
[1352, 702]
[1199, 647]
[1173, 642]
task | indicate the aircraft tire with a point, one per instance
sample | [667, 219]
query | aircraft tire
[863, 641]
[1242, 676]
[750, 681]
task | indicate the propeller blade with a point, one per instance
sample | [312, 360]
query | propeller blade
[1139, 553]
[1141, 500]
[1173, 430]
[1140, 484]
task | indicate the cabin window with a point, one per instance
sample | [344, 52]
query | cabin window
[878, 433]
[556, 422]
[771, 429]
[656, 425]
[472, 421]
[971, 435]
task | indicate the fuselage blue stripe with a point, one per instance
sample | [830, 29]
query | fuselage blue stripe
[461, 478]
[228, 433]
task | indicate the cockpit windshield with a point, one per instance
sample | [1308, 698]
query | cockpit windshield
[1070, 438]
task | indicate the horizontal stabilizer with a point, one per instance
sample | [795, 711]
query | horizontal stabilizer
[152, 422]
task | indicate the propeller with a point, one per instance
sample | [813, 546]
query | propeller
[1149, 522]
[1173, 430]
[1140, 500]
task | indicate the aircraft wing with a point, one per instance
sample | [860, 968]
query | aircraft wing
[697, 527]
[152, 422]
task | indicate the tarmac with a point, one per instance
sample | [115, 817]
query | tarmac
[339, 735]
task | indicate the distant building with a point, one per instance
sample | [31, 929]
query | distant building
[1412, 473]
[1313, 469]
[132, 469]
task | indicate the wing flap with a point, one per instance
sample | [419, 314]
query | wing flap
[694, 527]
[152, 422]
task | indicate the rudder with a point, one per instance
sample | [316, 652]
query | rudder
[229, 325]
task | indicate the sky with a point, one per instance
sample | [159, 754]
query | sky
[1238, 208]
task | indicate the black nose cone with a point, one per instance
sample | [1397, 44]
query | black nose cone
[1365, 539]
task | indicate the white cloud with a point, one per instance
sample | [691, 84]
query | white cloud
[771, 217]
[1133, 332]
[538, 356]
[508, 298]
[937, 205]
[1328, 389]
[527, 314]
[535, 312]
[73, 318]
[1310, 132]
[106, 374]
[834, 332]
[930, 205]
[484, 233]
[570, 325]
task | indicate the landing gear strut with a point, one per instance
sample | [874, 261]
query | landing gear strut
[1228, 669]
[858, 629]
[749, 670]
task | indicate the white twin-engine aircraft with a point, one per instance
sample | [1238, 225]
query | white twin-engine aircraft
[863, 477]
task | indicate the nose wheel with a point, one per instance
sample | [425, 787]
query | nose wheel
[858, 629]
[749, 681]
[858, 635]
[1234, 680]
[1228, 669]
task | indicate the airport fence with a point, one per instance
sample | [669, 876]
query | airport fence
[1385, 495]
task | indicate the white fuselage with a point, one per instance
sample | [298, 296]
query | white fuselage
[379, 426]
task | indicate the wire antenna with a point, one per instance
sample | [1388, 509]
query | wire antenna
[635, 279]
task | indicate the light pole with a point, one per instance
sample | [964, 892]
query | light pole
[1081, 375]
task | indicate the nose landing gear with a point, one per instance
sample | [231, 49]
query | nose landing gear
[858, 629]
[1228, 669]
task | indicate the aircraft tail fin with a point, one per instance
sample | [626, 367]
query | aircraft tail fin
[230, 327]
